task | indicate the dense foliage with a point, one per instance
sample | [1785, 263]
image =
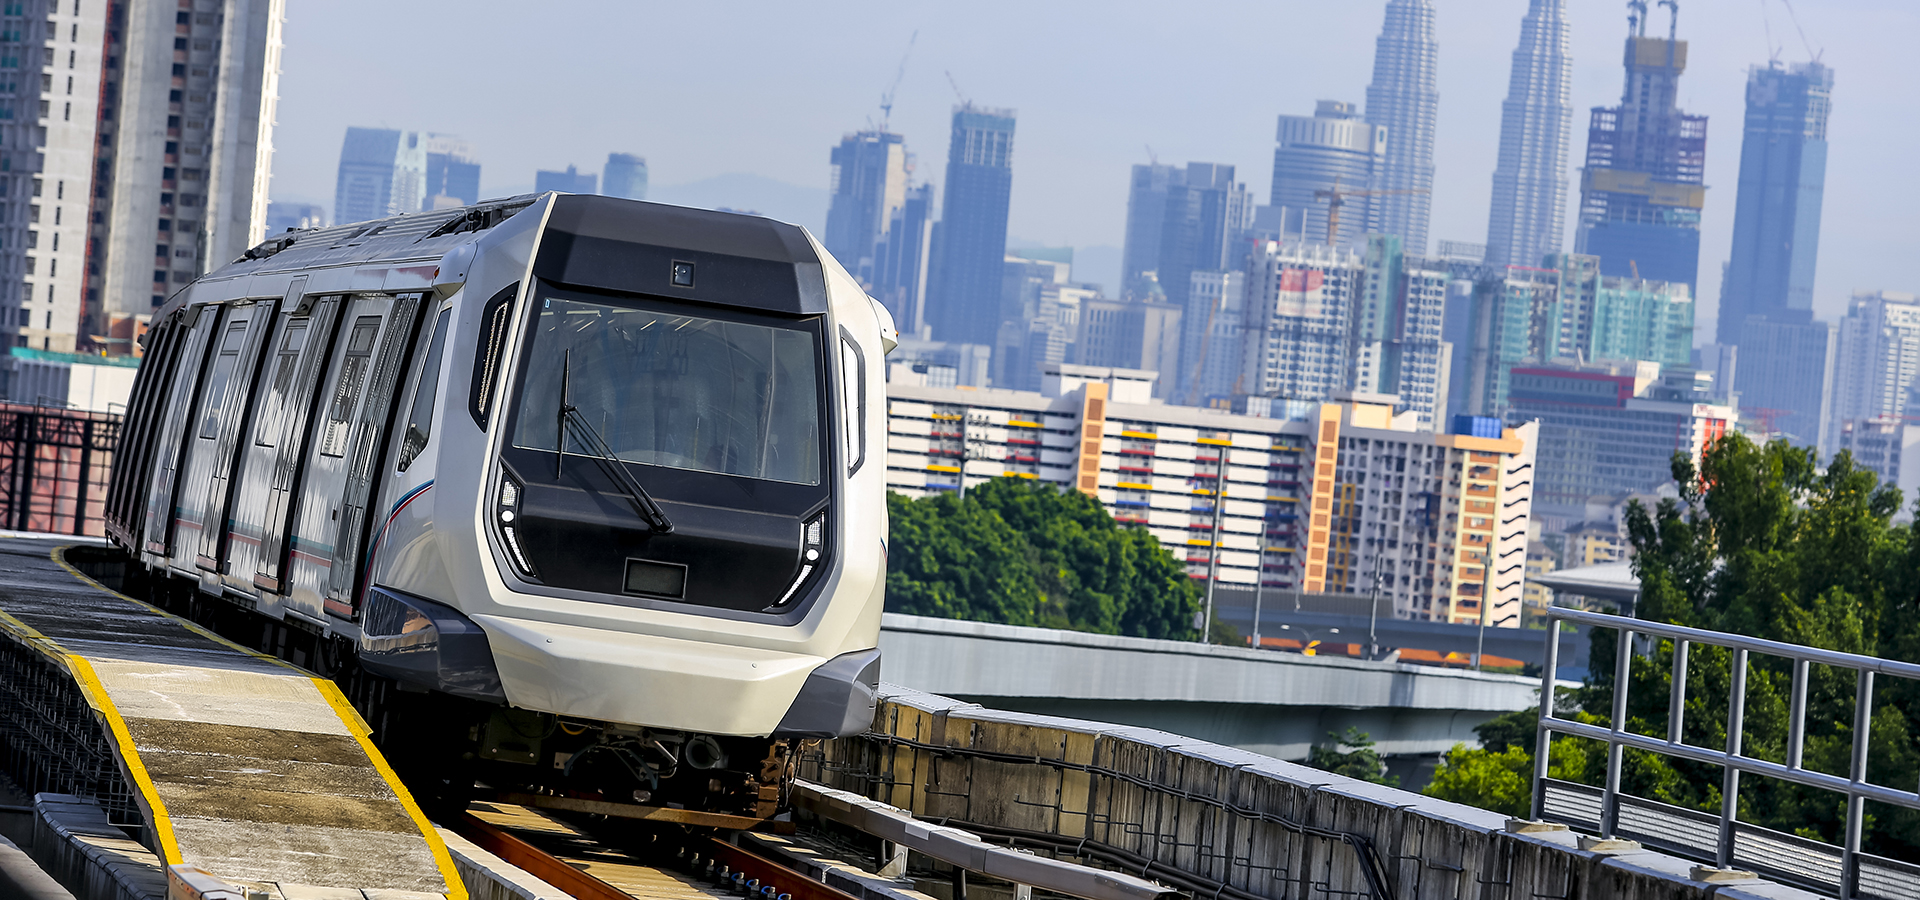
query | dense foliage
[1029, 554]
[1351, 754]
[1764, 542]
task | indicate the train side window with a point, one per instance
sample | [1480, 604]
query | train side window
[425, 394]
[285, 363]
[346, 392]
[222, 378]
[853, 393]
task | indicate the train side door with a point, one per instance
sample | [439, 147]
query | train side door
[330, 523]
[229, 398]
[133, 470]
[199, 322]
[284, 435]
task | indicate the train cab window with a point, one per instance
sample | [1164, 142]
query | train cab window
[346, 392]
[420, 415]
[677, 391]
[221, 379]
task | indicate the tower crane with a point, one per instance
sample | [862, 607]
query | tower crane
[1336, 198]
[886, 99]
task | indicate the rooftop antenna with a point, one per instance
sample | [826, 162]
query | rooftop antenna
[1673, 24]
[1811, 55]
[886, 99]
[956, 90]
[1151, 158]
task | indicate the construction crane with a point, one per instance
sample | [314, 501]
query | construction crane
[1336, 198]
[886, 99]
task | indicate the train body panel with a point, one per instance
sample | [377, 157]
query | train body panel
[434, 438]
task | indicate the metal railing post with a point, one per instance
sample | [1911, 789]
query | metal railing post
[1677, 698]
[1730, 785]
[1797, 715]
[1543, 741]
[1622, 668]
[1857, 773]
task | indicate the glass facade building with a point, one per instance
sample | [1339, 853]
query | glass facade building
[1529, 204]
[1403, 99]
[970, 243]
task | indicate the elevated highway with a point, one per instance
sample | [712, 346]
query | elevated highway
[1273, 703]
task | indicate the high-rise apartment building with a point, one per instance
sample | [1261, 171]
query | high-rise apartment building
[453, 173]
[970, 241]
[900, 261]
[1298, 337]
[868, 185]
[1333, 150]
[1186, 226]
[571, 181]
[1785, 375]
[1397, 345]
[1403, 99]
[1131, 334]
[135, 142]
[1642, 189]
[383, 172]
[625, 176]
[1348, 495]
[1877, 356]
[1530, 180]
[1776, 216]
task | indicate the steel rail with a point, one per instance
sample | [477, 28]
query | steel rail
[537, 862]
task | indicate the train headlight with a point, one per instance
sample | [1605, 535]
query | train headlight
[813, 550]
[508, 511]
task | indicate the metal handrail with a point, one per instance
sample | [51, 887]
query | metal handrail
[1731, 760]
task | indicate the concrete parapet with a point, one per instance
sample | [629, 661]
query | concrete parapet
[1215, 820]
[76, 844]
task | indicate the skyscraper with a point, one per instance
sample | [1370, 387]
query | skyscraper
[1398, 347]
[1185, 226]
[383, 173]
[900, 260]
[625, 176]
[1776, 216]
[970, 243]
[453, 173]
[1642, 189]
[1333, 150]
[1875, 362]
[1403, 100]
[1298, 339]
[869, 183]
[1536, 122]
[572, 181]
[134, 160]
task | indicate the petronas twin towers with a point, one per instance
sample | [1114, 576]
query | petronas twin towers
[1528, 213]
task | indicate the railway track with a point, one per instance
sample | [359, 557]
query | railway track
[617, 860]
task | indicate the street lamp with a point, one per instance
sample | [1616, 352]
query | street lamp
[1307, 640]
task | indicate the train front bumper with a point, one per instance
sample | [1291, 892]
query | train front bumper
[684, 685]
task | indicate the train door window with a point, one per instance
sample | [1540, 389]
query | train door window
[286, 362]
[221, 379]
[425, 394]
[853, 401]
[346, 392]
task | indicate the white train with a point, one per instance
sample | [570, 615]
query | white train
[611, 471]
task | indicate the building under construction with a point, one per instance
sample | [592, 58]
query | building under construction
[1642, 189]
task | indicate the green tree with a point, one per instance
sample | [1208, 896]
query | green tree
[1351, 754]
[1026, 553]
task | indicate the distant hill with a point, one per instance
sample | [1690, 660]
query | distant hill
[742, 192]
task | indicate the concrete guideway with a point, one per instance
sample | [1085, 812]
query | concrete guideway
[243, 765]
[1277, 704]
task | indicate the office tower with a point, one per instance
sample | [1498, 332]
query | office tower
[1185, 225]
[1608, 428]
[1130, 334]
[283, 217]
[570, 181]
[868, 185]
[1536, 123]
[1299, 305]
[1040, 319]
[625, 176]
[135, 157]
[1874, 364]
[1324, 166]
[1398, 345]
[1786, 376]
[383, 173]
[900, 260]
[1642, 190]
[1776, 216]
[1403, 100]
[453, 173]
[970, 242]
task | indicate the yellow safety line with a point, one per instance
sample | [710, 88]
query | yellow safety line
[350, 717]
[456, 889]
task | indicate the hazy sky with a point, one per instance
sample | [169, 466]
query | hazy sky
[709, 89]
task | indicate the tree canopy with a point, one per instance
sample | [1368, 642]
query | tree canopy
[1023, 553]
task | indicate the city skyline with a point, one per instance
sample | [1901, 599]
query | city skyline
[1083, 134]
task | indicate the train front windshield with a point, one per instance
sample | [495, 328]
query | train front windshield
[681, 391]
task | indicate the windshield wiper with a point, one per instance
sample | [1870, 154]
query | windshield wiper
[595, 444]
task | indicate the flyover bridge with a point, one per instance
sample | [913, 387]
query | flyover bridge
[109, 703]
